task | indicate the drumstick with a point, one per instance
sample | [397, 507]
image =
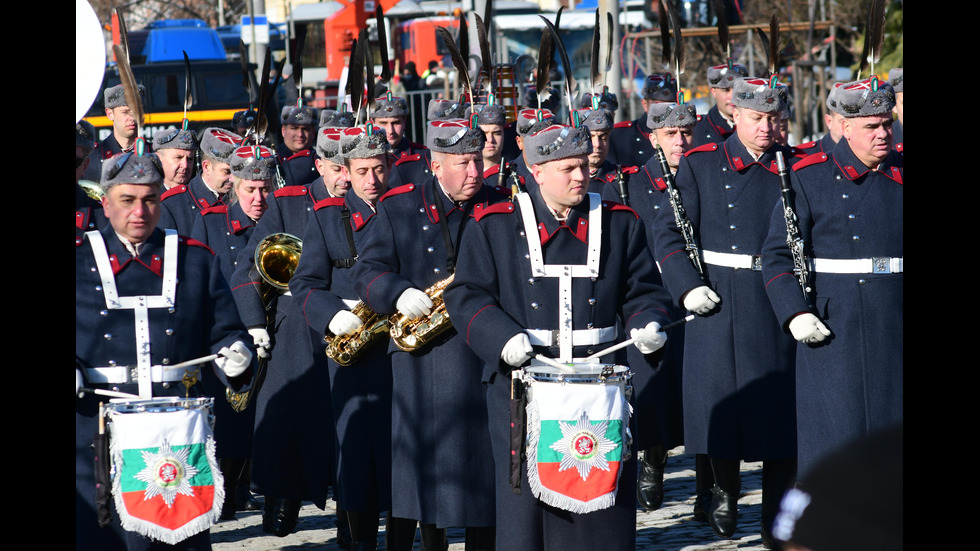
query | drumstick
[189, 363]
[545, 359]
[628, 342]
[111, 393]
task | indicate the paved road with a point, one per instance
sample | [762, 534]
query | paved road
[670, 528]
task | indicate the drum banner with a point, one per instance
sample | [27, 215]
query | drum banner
[575, 443]
[166, 482]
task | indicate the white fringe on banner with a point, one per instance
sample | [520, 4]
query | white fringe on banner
[155, 531]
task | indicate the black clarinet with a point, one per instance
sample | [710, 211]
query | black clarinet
[621, 187]
[680, 215]
[793, 237]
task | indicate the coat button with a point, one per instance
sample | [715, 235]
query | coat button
[169, 332]
[107, 336]
[534, 305]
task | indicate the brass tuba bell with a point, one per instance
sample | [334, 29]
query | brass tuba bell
[276, 258]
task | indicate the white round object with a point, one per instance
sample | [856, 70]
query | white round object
[89, 57]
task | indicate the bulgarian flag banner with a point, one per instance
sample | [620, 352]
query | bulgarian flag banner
[165, 480]
[576, 439]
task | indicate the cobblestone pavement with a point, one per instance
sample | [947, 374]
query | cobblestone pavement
[670, 528]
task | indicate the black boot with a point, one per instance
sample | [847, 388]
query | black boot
[704, 480]
[723, 514]
[434, 539]
[482, 538]
[363, 531]
[280, 516]
[778, 476]
[344, 537]
[650, 486]
[399, 533]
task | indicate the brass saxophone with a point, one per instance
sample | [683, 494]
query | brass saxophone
[411, 334]
[346, 349]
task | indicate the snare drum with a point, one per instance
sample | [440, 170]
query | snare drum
[165, 478]
[577, 433]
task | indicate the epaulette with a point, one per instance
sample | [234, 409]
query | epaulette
[629, 169]
[304, 153]
[799, 153]
[699, 117]
[407, 158]
[814, 159]
[194, 243]
[503, 190]
[807, 145]
[610, 177]
[898, 147]
[222, 209]
[176, 190]
[495, 208]
[397, 191]
[329, 202]
[614, 206]
[290, 191]
[623, 124]
[492, 171]
[700, 148]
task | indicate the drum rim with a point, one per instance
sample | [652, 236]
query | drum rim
[157, 405]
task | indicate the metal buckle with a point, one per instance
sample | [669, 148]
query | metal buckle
[756, 263]
[881, 265]
[606, 372]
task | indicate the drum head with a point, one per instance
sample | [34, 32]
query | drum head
[89, 57]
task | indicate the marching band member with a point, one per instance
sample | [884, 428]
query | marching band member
[226, 229]
[738, 364]
[88, 211]
[361, 393]
[657, 390]
[123, 134]
[184, 310]
[442, 470]
[718, 124]
[849, 204]
[175, 148]
[293, 451]
[629, 143]
[507, 311]
[896, 77]
[295, 153]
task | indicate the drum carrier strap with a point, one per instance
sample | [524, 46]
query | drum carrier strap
[139, 304]
[564, 272]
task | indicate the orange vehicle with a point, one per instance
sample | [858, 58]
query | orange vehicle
[417, 40]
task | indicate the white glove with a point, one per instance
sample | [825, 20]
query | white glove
[517, 350]
[808, 329]
[79, 382]
[344, 322]
[413, 303]
[234, 360]
[701, 300]
[262, 341]
[649, 339]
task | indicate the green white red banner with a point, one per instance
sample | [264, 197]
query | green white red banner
[576, 443]
[166, 482]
